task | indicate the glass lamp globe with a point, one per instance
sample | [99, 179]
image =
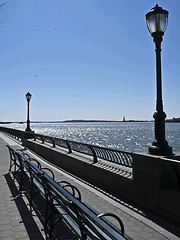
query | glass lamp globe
[28, 96]
[157, 20]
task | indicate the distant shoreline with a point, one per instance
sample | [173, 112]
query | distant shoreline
[94, 121]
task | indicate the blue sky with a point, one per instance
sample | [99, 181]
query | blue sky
[85, 59]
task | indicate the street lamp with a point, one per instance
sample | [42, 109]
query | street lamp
[157, 20]
[28, 98]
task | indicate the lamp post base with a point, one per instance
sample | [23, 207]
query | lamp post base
[29, 130]
[160, 146]
[160, 150]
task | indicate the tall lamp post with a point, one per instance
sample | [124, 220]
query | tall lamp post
[157, 20]
[28, 98]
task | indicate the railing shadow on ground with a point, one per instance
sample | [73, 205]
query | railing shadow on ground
[62, 232]
[71, 210]
[31, 227]
[140, 213]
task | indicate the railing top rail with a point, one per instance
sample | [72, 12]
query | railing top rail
[82, 143]
[11, 128]
[171, 160]
[109, 154]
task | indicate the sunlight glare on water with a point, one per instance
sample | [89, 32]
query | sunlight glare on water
[127, 136]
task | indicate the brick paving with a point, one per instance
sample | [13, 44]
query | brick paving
[17, 223]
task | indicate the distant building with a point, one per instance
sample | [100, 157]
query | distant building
[173, 120]
[124, 119]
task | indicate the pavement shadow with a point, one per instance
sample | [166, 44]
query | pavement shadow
[140, 213]
[60, 231]
[153, 219]
[31, 227]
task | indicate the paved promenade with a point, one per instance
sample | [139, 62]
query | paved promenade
[16, 222]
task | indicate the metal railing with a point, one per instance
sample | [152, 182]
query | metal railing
[14, 133]
[112, 155]
[81, 218]
[108, 154]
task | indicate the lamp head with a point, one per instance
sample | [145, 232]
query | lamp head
[157, 20]
[28, 96]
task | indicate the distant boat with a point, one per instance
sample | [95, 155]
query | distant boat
[20, 122]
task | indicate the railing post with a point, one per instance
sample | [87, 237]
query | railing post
[94, 155]
[23, 138]
[42, 139]
[53, 142]
[34, 137]
[69, 146]
[28, 135]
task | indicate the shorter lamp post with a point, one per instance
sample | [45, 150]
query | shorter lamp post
[157, 20]
[28, 98]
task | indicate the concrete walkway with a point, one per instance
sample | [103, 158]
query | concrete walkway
[17, 223]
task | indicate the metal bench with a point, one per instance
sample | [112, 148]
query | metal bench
[62, 201]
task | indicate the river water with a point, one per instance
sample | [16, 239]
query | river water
[127, 136]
